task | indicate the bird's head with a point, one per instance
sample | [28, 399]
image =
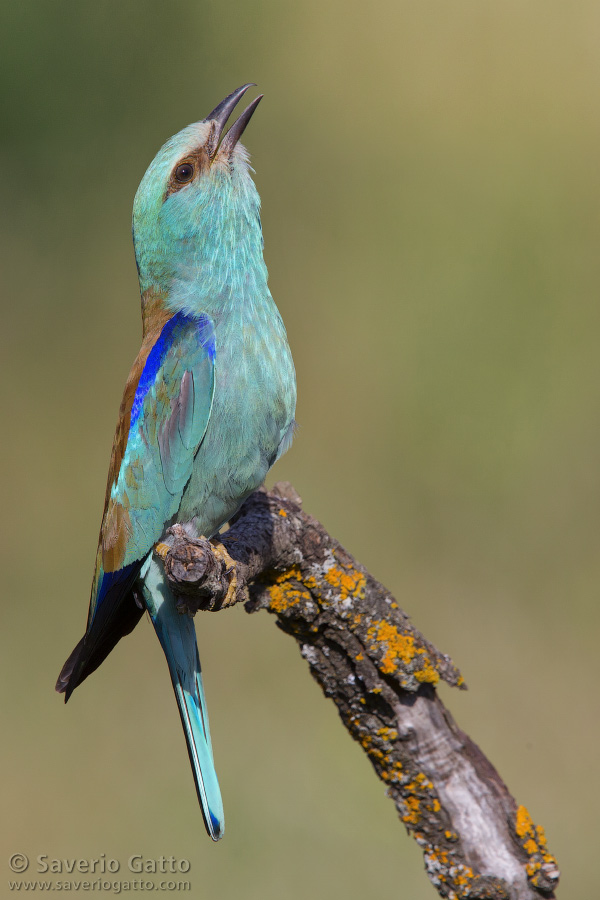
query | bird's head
[196, 212]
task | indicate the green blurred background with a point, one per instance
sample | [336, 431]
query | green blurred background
[431, 206]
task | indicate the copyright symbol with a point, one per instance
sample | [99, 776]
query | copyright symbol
[18, 862]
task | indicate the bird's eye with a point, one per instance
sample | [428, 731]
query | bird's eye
[184, 173]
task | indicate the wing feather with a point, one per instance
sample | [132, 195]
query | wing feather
[163, 418]
[167, 426]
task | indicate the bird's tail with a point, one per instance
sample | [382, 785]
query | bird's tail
[177, 636]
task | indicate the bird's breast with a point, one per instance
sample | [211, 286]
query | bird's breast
[253, 408]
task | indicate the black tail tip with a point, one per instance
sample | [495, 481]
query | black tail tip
[66, 683]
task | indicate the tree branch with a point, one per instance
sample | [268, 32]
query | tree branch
[381, 674]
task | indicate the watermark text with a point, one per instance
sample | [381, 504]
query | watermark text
[134, 872]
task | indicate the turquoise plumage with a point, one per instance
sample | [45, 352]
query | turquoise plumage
[207, 409]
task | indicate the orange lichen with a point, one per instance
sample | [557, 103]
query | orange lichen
[399, 646]
[462, 876]
[456, 874]
[524, 823]
[287, 590]
[293, 586]
[359, 658]
[348, 582]
[427, 674]
[283, 513]
[412, 816]
[535, 849]
[395, 772]
[388, 734]
[439, 855]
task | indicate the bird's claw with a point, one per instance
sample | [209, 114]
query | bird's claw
[223, 556]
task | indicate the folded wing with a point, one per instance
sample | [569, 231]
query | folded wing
[162, 421]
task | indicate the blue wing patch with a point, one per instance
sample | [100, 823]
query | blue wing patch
[157, 355]
[169, 416]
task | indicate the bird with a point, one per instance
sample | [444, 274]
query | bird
[207, 409]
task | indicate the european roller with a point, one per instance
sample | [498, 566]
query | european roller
[207, 409]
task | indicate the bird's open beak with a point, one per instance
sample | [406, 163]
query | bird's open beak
[218, 119]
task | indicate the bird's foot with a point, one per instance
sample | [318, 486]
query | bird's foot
[230, 572]
[200, 572]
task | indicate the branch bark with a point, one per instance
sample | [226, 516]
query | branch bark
[382, 674]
